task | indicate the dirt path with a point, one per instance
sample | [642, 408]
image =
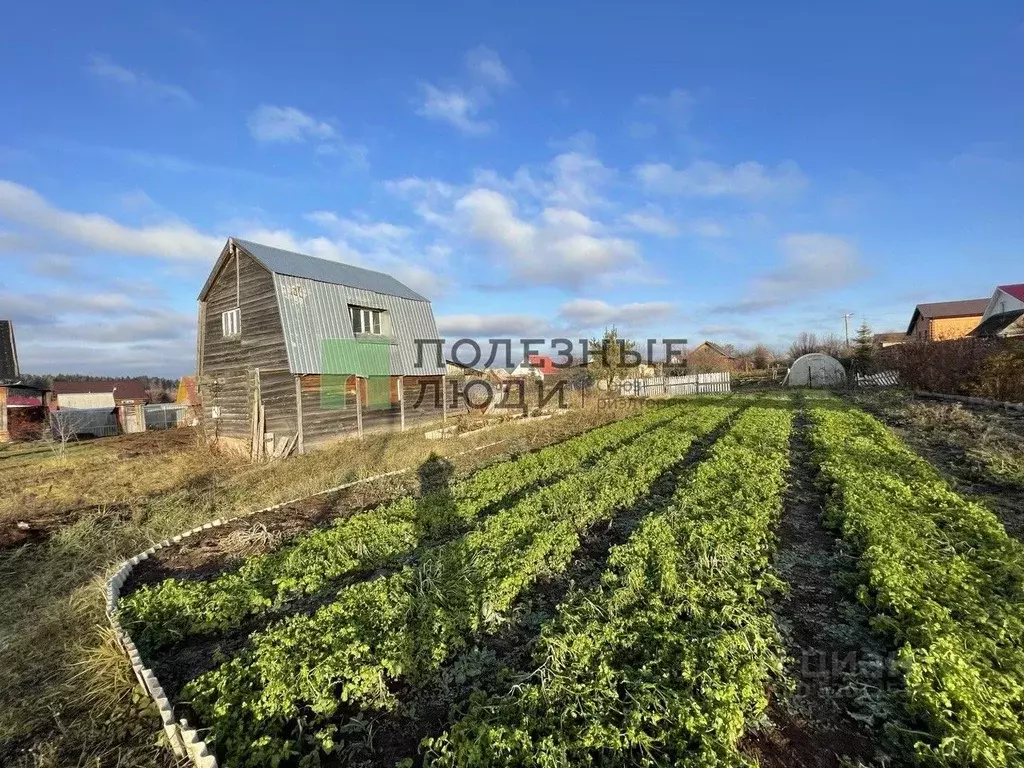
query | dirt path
[834, 659]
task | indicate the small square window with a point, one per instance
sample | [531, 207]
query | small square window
[231, 322]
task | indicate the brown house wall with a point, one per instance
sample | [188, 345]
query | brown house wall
[328, 421]
[226, 364]
[945, 328]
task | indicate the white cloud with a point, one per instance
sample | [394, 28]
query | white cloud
[104, 332]
[174, 241]
[813, 261]
[455, 107]
[473, 326]
[704, 178]
[382, 232]
[813, 264]
[577, 178]
[269, 123]
[593, 313]
[486, 65]
[651, 221]
[459, 105]
[381, 246]
[560, 249]
[138, 83]
[428, 194]
[287, 124]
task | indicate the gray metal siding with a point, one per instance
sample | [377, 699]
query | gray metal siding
[319, 311]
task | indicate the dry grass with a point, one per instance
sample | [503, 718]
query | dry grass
[989, 441]
[67, 695]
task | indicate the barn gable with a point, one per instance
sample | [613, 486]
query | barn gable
[8, 353]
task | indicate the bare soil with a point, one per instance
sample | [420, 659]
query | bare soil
[212, 552]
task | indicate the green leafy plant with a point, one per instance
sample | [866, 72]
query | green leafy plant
[300, 673]
[667, 661]
[941, 577]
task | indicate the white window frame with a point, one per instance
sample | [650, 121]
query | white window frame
[367, 317]
[231, 323]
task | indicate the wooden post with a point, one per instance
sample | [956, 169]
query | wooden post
[298, 414]
[4, 435]
[401, 399]
[444, 399]
[359, 409]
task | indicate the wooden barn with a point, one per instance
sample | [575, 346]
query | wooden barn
[310, 350]
[8, 372]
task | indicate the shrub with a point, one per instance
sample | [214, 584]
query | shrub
[983, 367]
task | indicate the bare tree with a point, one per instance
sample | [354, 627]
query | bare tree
[804, 344]
[64, 427]
[807, 343]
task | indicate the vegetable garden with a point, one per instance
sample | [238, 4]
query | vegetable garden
[613, 599]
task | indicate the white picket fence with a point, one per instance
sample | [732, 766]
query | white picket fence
[694, 384]
[883, 379]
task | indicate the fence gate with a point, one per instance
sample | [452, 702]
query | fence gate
[133, 418]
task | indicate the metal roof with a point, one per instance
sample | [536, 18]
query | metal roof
[313, 311]
[122, 389]
[1016, 290]
[283, 262]
[8, 352]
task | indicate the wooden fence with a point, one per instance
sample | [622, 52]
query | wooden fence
[883, 379]
[694, 384]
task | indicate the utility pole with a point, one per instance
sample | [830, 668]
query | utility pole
[846, 325]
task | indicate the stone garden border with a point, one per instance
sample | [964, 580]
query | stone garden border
[184, 739]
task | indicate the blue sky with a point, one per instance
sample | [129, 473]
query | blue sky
[739, 172]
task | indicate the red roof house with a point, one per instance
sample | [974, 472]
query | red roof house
[1004, 315]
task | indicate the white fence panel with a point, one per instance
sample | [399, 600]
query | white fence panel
[693, 384]
[883, 379]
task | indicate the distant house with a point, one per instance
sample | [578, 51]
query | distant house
[455, 368]
[98, 393]
[945, 320]
[708, 356]
[325, 349]
[1004, 314]
[535, 366]
[889, 338]
[122, 398]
